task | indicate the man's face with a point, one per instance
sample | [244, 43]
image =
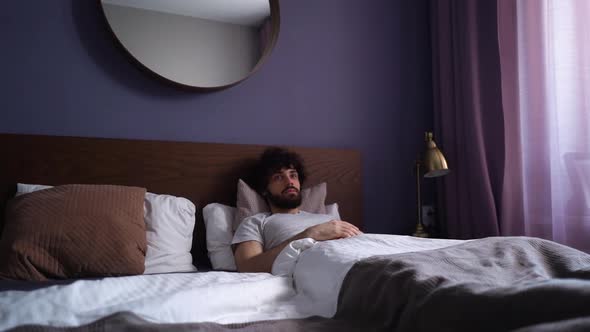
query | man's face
[284, 189]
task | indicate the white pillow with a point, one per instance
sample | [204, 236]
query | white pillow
[170, 221]
[332, 210]
[29, 188]
[218, 229]
[218, 225]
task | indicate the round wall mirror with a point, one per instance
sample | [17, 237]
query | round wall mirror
[198, 44]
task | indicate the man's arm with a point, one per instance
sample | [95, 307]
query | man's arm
[250, 256]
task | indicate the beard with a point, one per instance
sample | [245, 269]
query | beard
[282, 202]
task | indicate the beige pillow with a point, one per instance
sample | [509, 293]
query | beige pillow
[74, 231]
[249, 202]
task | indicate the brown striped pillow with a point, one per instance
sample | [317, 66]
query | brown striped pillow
[74, 231]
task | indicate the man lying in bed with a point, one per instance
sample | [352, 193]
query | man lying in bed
[260, 238]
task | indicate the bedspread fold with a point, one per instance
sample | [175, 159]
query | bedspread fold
[492, 284]
[129, 322]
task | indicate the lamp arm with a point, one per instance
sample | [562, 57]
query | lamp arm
[420, 232]
[418, 194]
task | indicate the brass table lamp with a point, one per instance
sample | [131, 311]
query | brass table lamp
[433, 164]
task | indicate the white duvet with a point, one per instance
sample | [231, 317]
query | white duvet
[319, 268]
[307, 280]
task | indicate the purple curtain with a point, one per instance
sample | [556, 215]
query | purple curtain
[512, 112]
[512, 198]
[468, 115]
[546, 76]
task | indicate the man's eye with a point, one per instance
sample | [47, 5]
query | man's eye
[294, 175]
[276, 177]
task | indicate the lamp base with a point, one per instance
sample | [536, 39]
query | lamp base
[420, 232]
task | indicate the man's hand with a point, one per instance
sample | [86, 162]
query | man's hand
[335, 229]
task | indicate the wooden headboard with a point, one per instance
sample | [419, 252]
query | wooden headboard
[201, 172]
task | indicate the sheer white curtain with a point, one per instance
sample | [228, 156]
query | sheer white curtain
[550, 120]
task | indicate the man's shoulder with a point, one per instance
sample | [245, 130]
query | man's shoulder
[250, 225]
[257, 218]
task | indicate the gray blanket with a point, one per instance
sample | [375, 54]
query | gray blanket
[491, 284]
[129, 322]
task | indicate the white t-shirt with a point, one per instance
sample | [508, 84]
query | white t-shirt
[273, 229]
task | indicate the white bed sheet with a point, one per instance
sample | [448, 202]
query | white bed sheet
[221, 297]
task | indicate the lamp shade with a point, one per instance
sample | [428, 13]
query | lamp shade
[434, 161]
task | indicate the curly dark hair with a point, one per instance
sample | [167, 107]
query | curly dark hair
[272, 160]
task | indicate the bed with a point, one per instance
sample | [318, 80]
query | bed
[369, 282]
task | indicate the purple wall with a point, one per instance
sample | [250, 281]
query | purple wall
[344, 73]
